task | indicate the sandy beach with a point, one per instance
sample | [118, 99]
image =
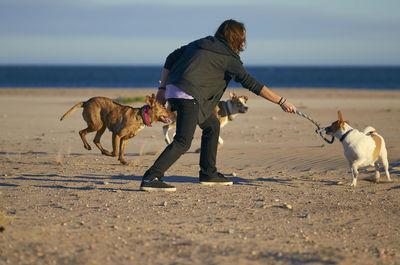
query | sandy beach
[291, 202]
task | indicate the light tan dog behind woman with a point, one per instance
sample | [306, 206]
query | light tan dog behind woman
[124, 122]
[225, 111]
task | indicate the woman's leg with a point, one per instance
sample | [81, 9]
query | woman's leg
[185, 127]
[209, 145]
[208, 174]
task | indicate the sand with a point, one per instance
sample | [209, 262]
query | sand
[291, 202]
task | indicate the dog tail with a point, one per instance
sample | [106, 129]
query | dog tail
[77, 106]
[369, 130]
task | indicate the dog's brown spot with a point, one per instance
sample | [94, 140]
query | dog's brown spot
[340, 117]
[378, 143]
[340, 121]
[337, 125]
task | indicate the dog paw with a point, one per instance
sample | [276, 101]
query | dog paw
[106, 153]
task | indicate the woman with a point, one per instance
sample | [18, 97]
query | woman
[193, 80]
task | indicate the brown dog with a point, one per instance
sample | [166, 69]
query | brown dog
[123, 121]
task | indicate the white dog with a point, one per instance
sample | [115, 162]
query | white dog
[225, 111]
[360, 148]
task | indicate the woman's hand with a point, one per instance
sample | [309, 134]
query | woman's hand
[271, 96]
[288, 107]
[160, 97]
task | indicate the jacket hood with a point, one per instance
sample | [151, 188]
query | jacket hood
[216, 45]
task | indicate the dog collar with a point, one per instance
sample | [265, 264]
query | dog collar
[229, 109]
[345, 135]
[144, 113]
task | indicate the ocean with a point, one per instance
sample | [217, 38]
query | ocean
[346, 77]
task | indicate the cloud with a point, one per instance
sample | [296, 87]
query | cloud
[123, 18]
[124, 31]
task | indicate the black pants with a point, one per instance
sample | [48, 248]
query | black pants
[187, 113]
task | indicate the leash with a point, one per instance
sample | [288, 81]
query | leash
[319, 130]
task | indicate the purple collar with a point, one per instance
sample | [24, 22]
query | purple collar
[144, 113]
[345, 135]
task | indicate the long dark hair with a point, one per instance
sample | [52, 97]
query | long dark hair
[233, 33]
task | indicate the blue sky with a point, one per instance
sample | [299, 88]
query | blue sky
[144, 32]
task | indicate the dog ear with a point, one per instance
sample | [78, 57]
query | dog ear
[153, 100]
[246, 98]
[148, 100]
[340, 117]
[232, 95]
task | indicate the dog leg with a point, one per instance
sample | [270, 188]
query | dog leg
[115, 144]
[97, 141]
[377, 173]
[385, 164]
[166, 129]
[354, 172]
[220, 142]
[122, 145]
[386, 167]
[83, 133]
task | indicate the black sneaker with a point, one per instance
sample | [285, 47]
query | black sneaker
[155, 185]
[217, 179]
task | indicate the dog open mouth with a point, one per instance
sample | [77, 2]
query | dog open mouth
[165, 119]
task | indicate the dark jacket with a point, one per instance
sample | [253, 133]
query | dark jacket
[203, 69]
